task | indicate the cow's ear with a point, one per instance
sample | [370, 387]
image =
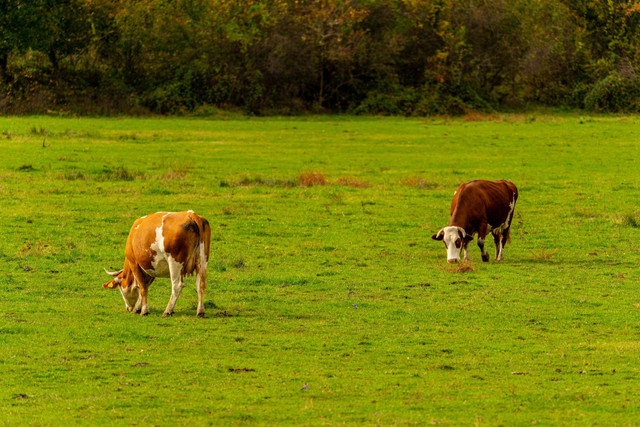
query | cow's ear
[111, 284]
[468, 238]
[438, 236]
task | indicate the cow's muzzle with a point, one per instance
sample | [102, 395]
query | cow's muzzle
[453, 261]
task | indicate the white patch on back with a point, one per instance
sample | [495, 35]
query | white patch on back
[159, 240]
[160, 260]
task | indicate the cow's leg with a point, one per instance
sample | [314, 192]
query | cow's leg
[485, 255]
[144, 309]
[138, 306]
[504, 238]
[177, 283]
[499, 240]
[143, 283]
[201, 285]
[465, 247]
[482, 233]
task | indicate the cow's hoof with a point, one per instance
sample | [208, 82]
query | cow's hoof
[144, 313]
[167, 314]
[201, 315]
[485, 258]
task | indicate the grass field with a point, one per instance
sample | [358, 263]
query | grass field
[327, 304]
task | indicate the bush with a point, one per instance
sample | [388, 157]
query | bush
[614, 93]
[398, 102]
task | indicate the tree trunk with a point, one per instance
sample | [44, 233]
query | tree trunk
[53, 57]
[4, 59]
[321, 90]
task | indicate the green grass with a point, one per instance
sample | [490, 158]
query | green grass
[338, 287]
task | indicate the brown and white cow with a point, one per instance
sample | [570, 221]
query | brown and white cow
[479, 207]
[163, 244]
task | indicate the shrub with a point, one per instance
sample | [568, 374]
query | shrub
[614, 93]
[400, 101]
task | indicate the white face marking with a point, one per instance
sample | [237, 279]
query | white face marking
[452, 234]
[190, 211]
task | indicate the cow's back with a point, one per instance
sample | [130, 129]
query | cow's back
[481, 200]
[498, 198]
[143, 235]
[157, 236]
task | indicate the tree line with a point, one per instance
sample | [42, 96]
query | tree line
[400, 57]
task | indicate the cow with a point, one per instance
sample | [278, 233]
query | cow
[479, 207]
[163, 244]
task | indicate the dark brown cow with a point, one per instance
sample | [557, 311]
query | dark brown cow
[479, 207]
[163, 244]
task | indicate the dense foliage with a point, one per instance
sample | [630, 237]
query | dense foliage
[408, 57]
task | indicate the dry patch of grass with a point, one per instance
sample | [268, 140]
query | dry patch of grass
[175, 173]
[481, 117]
[257, 181]
[120, 174]
[312, 178]
[542, 254]
[417, 182]
[349, 181]
[35, 248]
[304, 179]
[72, 175]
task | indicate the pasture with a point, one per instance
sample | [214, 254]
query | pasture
[326, 304]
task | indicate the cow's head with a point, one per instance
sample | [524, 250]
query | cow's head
[128, 287]
[454, 239]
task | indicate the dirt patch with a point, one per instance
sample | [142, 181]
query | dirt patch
[465, 267]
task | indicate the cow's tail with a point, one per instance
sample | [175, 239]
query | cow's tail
[192, 227]
[514, 193]
[205, 239]
[507, 235]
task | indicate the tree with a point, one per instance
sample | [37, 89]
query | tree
[17, 19]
